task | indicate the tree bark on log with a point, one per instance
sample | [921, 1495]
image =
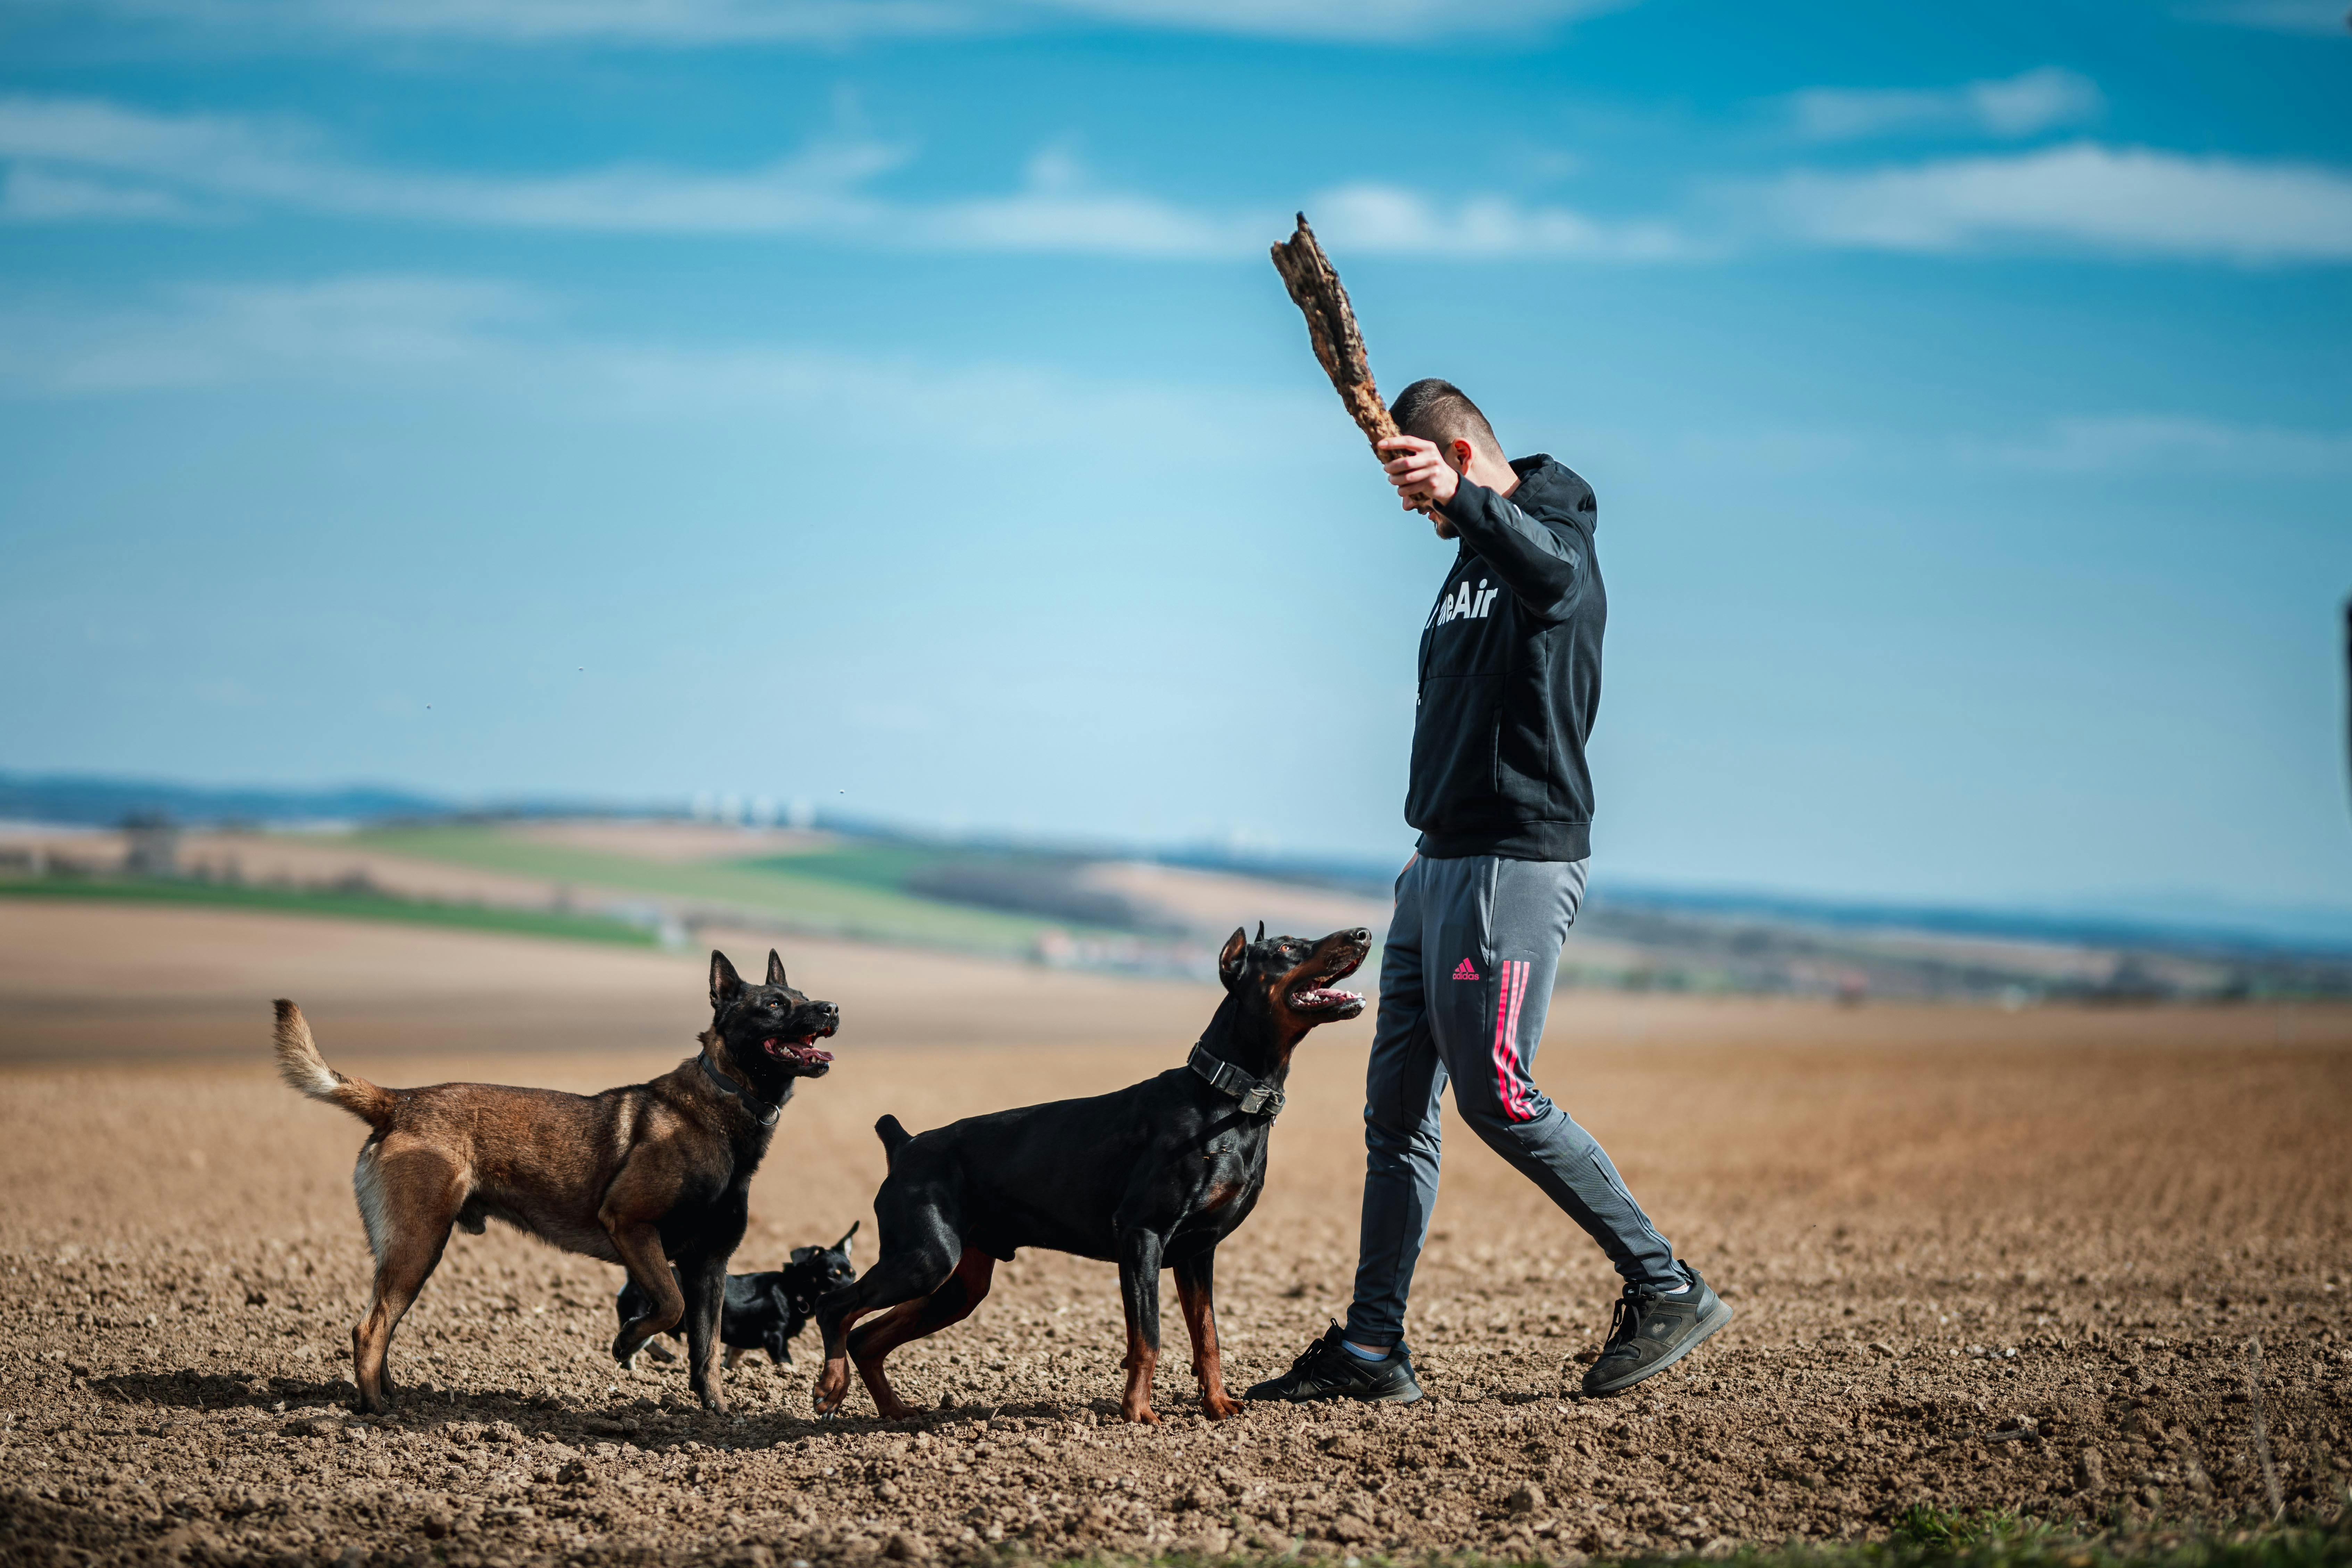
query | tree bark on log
[1331, 327]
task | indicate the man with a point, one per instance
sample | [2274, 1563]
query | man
[1510, 676]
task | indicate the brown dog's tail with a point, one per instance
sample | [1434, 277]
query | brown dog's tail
[894, 1138]
[301, 1066]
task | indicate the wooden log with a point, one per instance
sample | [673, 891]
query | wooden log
[1315, 288]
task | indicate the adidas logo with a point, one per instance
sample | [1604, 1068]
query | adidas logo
[1465, 971]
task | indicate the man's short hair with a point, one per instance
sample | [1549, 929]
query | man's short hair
[1437, 411]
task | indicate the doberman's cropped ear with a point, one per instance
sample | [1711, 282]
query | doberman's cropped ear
[1261, 930]
[725, 983]
[843, 1245]
[1229, 963]
[775, 969]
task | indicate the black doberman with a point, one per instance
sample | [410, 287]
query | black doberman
[1152, 1177]
[762, 1312]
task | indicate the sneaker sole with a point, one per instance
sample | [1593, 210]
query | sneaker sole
[1415, 1397]
[1708, 1327]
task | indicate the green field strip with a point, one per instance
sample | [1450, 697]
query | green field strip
[335, 906]
[830, 902]
[882, 867]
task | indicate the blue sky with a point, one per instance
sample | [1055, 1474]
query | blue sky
[890, 404]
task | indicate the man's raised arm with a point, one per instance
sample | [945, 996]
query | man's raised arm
[1543, 566]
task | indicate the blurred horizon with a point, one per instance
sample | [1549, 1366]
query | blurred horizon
[35, 807]
[891, 407]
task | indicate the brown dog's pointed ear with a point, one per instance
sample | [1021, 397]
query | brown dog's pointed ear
[1229, 963]
[725, 983]
[775, 968]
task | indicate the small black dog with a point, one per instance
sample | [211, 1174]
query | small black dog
[763, 1310]
[1150, 1177]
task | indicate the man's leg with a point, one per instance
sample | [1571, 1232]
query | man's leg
[1401, 1150]
[1499, 926]
[1402, 1081]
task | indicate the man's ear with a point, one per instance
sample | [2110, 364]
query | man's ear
[725, 983]
[1229, 963]
[1460, 452]
[775, 969]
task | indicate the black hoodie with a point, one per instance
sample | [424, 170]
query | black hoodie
[1510, 675]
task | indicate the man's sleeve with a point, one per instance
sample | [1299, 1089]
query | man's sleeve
[1543, 566]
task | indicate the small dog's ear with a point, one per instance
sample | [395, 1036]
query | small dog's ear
[842, 1246]
[775, 968]
[1229, 963]
[801, 1254]
[725, 983]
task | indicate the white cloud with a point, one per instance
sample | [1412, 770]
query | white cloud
[2318, 19]
[32, 194]
[224, 161]
[432, 339]
[1344, 21]
[206, 335]
[2021, 105]
[704, 23]
[71, 160]
[2130, 201]
[1392, 220]
[217, 164]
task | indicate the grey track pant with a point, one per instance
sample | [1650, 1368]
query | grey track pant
[1465, 984]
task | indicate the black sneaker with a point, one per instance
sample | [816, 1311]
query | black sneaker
[1330, 1370]
[1651, 1331]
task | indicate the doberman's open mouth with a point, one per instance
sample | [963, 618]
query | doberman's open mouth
[1323, 997]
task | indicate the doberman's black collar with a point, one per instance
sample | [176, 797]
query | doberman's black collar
[751, 1102]
[1255, 1095]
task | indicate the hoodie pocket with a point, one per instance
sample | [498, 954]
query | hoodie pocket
[1455, 740]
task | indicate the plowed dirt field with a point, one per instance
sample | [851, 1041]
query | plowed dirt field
[1980, 1259]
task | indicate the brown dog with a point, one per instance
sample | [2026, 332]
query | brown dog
[637, 1175]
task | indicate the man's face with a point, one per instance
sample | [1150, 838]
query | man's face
[1457, 457]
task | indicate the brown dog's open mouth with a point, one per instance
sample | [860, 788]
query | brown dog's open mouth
[802, 1052]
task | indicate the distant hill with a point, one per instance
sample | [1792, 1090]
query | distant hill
[1051, 880]
[85, 801]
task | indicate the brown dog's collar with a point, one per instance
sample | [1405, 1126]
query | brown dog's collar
[1255, 1096]
[729, 1087]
